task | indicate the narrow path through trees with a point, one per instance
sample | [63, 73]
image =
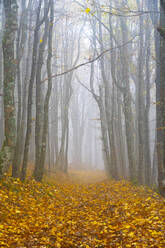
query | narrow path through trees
[67, 214]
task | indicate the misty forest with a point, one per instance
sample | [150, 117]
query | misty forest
[82, 123]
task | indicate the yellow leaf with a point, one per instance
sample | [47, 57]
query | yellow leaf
[131, 234]
[41, 41]
[87, 10]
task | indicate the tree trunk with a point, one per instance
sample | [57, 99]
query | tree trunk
[21, 41]
[160, 99]
[127, 103]
[147, 153]
[30, 93]
[6, 154]
[39, 100]
[141, 106]
[40, 167]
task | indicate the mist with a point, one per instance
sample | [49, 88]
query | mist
[82, 102]
[84, 95]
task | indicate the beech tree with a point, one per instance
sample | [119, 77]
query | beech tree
[160, 100]
[9, 64]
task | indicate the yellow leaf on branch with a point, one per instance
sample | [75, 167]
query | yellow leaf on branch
[87, 10]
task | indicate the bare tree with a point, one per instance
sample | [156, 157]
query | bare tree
[38, 24]
[160, 93]
[40, 167]
[9, 62]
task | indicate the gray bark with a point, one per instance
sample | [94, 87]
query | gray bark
[30, 92]
[160, 98]
[9, 63]
[40, 167]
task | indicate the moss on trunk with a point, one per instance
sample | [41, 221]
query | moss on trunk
[6, 153]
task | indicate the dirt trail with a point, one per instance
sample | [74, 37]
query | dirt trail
[80, 176]
[87, 176]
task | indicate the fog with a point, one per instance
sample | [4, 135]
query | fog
[82, 123]
[81, 88]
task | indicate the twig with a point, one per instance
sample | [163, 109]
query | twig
[83, 85]
[90, 61]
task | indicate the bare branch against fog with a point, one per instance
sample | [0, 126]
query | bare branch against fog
[91, 61]
[121, 13]
[83, 85]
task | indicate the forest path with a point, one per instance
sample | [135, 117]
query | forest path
[74, 213]
[78, 176]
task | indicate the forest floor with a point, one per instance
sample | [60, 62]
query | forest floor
[81, 210]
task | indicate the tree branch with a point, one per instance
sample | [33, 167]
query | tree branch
[90, 61]
[83, 85]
